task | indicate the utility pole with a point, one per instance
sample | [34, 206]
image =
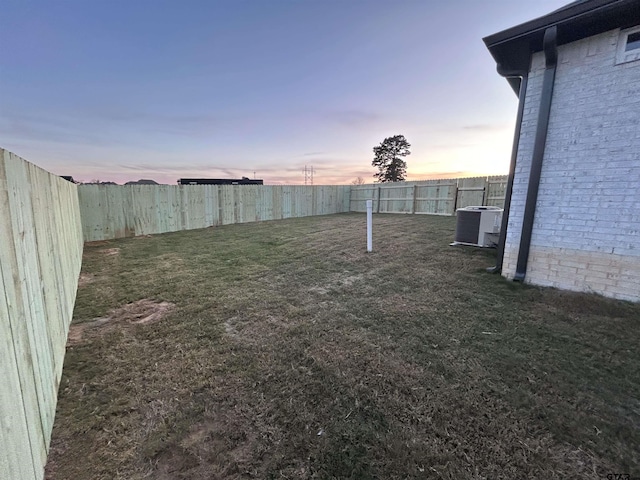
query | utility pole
[308, 175]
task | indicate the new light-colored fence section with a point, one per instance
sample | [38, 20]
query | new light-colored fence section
[495, 191]
[471, 191]
[436, 197]
[430, 196]
[114, 211]
[40, 258]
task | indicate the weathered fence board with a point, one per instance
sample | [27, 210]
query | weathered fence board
[114, 211]
[40, 257]
[436, 197]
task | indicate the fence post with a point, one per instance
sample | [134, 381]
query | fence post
[379, 192]
[455, 198]
[369, 225]
[485, 192]
[413, 208]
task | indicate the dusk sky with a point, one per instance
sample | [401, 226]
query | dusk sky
[124, 90]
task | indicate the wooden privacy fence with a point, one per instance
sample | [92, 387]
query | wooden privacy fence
[114, 211]
[436, 197]
[40, 257]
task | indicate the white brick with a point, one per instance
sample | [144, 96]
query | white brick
[589, 201]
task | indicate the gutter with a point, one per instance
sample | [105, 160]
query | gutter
[567, 14]
[513, 47]
[550, 48]
[523, 77]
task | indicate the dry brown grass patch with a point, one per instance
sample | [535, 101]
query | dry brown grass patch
[85, 279]
[145, 311]
[412, 361]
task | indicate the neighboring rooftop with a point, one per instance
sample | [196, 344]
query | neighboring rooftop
[143, 181]
[220, 181]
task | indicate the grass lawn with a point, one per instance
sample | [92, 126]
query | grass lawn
[283, 350]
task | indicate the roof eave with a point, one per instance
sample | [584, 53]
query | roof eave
[538, 25]
[512, 48]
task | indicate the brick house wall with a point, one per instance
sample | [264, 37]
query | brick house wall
[586, 233]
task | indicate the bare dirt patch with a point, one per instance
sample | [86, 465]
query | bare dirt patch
[257, 328]
[224, 439]
[97, 243]
[337, 282]
[142, 312]
[110, 251]
[77, 332]
[85, 279]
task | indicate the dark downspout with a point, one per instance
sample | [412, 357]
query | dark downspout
[551, 60]
[512, 166]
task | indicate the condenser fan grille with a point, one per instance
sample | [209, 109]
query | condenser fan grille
[468, 227]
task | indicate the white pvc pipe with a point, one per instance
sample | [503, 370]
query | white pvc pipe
[369, 225]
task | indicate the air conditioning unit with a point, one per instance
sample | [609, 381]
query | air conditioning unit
[478, 226]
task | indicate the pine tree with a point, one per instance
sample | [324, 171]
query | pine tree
[387, 157]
